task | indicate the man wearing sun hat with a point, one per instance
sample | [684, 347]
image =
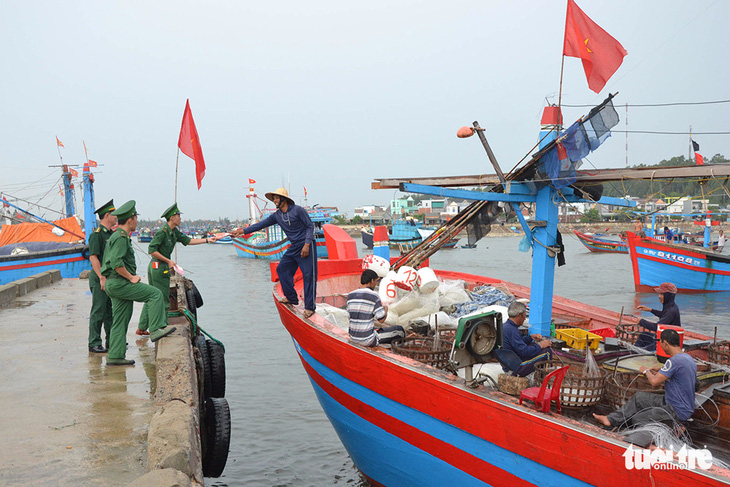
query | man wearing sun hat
[101, 305]
[668, 315]
[160, 248]
[298, 227]
[124, 288]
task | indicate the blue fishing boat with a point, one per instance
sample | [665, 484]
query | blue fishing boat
[32, 247]
[597, 242]
[145, 235]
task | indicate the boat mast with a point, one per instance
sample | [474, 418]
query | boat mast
[68, 191]
[89, 216]
[251, 205]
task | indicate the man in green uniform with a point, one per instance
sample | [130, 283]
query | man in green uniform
[124, 287]
[101, 305]
[161, 247]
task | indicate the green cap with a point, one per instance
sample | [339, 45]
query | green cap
[125, 211]
[105, 208]
[171, 211]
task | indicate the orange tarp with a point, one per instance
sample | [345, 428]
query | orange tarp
[41, 232]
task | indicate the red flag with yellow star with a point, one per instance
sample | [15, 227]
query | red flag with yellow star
[601, 54]
[189, 143]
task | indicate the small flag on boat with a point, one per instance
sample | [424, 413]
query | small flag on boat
[695, 146]
[251, 181]
[93, 163]
[601, 54]
[305, 191]
[60, 189]
[74, 173]
[58, 142]
[699, 159]
[86, 151]
[189, 143]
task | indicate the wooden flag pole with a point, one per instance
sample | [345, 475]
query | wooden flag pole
[177, 158]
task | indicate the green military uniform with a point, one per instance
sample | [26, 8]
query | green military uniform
[123, 293]
[158, 273]
[101, 305]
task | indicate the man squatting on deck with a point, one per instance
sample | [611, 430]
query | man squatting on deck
[668, 315]
[531, 348]
[298, 227]
[679, 374]
[364, 307]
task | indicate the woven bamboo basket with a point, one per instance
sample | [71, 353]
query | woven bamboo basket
[577, 390]
[620, 386]
[719, 353]
[628, 333]
[424, 350]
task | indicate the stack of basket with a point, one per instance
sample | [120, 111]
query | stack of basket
[425, 349]
[578, 389]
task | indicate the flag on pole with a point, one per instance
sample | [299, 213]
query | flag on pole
[60, 189]
[251, 181]
[86, 151]
[695, 146]
[601, 54]
[305, 191]
[74, 172]
[93, 163]
[699, 159]
[189, 143]
[58, 142]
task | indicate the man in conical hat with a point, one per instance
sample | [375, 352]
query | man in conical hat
[298, 227]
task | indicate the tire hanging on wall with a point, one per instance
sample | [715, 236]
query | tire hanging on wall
[192, 307]
[196, 295]
[202, 345]
[216, 436]
[216, 352]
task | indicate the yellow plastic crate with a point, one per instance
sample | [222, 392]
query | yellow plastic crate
[577, 338]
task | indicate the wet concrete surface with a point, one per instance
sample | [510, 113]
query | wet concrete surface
[66, 418]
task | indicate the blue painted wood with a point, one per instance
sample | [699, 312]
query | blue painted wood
[89, 216]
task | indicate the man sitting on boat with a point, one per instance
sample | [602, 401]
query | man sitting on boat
[679, 375]
[364, 307]
[299, 229]
[668, 235]
[530, 348]
[668, 315]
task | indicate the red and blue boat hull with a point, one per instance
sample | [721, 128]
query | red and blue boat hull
[691, 269]
[597, 244]
[71, 262]
[273, 250]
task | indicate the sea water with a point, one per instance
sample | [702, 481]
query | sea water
[280, 435]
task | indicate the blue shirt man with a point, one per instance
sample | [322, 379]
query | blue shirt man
[526, 348]
[299, 229]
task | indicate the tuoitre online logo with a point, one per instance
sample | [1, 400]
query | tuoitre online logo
[659, 459]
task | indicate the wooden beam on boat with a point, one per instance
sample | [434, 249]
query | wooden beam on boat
[591, 175]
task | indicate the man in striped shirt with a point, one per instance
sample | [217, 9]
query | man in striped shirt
[365, 308]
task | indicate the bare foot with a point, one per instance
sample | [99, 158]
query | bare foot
[602, 419]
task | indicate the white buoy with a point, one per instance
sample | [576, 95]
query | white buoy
[388, 291]
[380, 265]
[428, 282]
[408, 276]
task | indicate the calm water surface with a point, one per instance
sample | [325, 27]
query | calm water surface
[280, 435]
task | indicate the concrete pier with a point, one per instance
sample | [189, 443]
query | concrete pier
[68, 418]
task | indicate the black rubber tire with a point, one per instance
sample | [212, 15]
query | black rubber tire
[191, 303]
[216, 436]
[217, 355]
[202, 345]
[85, 253]
[196, 295]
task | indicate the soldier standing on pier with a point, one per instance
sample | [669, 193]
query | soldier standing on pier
[101, 305]
[124, 287]
[160, 248]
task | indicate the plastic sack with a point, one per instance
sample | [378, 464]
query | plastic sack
[426, 304]
[451, 293]
[525, 245]
[337, 316]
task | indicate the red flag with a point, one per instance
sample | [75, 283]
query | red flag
[189, 143]
[700, 160]
[86, 151]
[305, 191]
[601, 54]
[58, 142]
[93, 163]
[74, 173]
[251, 181]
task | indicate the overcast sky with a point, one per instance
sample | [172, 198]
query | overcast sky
[331, 94]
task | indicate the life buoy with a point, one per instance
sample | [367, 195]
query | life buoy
[216, 436]
[216, 352]
[85, 252]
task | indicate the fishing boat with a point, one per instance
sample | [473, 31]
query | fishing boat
[145, 235]
[469, 246]
[409, 423]
[425, 420]
[693, 269]
[426, 232]
[33, 247]
[403, 235]
[222, 238]
[598, 243]
[271, 242]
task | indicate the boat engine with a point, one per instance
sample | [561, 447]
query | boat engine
[476, 337]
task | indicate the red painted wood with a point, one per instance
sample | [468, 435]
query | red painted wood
[41, 264]
[340, 245]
